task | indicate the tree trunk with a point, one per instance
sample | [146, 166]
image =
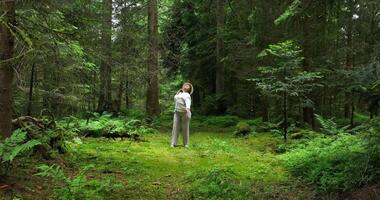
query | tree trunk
[152, 102]
[308, 112]
[7, 11]
[265, 108]
[220, 15]
[119, 95]
[127, 91]
[285, 113]
[30, 96]
[105, 98]
[349, 58]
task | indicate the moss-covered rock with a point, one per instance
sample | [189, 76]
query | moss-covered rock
[242, 129]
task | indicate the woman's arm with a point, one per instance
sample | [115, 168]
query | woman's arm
[188, 101]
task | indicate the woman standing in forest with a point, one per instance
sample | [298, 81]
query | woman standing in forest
[182, 114]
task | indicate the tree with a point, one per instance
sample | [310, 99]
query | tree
[219, 74]
[152, 103]
[285, 78]
[7, 24]
[105, 98]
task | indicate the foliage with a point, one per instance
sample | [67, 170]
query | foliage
[222, 121]
[286, 75]
[242, 129]
[14, 146]
[335, 165]
[286, 78]
[292, 10]
[260, 126]
[108, 126]
[329, 127]
[79, 187]
[217, 183]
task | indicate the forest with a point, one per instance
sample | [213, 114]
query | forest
[269, 99]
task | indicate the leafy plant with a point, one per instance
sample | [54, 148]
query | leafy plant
[14, 146]
[222, 121]
[335, 165]
[217, 183]
[329, 127]
[78, 187]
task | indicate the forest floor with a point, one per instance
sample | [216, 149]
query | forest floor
[151, 169]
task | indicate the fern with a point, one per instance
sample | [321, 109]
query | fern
[292, 10]
[78, 187]
[329, 126]
[16, 145]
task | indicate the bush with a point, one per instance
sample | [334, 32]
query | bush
[259, 126]
[222, 121]
[329, 127]
[107, 126]
[14, 146]
[335, 164]
[242, 129]
[78, 187]
[217, 183]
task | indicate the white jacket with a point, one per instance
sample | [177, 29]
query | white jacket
[182, 101]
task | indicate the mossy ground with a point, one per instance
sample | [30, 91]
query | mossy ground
[151, 169]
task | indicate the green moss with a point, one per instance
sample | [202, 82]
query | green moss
[242, 129]
[156, 171]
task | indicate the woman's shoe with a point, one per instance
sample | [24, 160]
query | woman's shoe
[186, 146]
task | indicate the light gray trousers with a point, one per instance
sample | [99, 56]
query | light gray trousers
[181, 119]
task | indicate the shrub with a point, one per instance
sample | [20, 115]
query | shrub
[259, 126]
[222, 121]
[242, 129]
[78, 187]
[335, 164]
[12, 147]
[217, 183]
[329, 127]
[106, 126]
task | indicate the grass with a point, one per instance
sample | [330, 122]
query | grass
[153, 170]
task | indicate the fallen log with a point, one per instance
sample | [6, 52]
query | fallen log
[25, 121]
[21, 122]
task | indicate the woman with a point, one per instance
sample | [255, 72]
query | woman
[182, 114]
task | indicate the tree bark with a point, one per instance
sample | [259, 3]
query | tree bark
[105, 98]
[30, 95]
[349, 58]
[152, 102]
[127, 91]
[308, 112]
[7, 11]
[220, 16]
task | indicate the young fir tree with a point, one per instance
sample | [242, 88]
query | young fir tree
[286, 77]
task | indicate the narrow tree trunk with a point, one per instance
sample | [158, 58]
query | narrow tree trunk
[120, 95]
[152, 102]
[308, 112]
[220, 15]
[127, 92]
[105, 98]
[349, 57]
[7, 11]
[30, 96]
[285, 113]
[265, 109]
